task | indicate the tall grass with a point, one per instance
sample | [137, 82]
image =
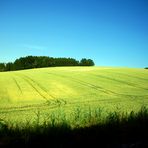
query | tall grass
[117, 129]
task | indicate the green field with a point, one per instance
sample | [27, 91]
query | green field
[62, 91]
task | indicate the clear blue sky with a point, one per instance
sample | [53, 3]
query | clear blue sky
[111, 32]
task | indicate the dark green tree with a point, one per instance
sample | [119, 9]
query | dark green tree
[2, 66]
[86, 62]
[9, 66]
[29, 62]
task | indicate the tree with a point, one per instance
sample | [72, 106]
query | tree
[29, 62]
[9, 67]
[90, 62]
[2, 67]
[86, 62]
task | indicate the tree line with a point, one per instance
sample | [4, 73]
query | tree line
[29, 62]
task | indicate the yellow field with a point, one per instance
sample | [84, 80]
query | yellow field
[48, 90]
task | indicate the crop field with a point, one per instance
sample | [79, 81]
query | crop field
[60, 92]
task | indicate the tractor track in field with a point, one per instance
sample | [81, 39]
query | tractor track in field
[83, 83]
[69, 104]
[40, 86]
[134, 76]
[46, 106]
[25, 79]
[21, 108]
[31, 107]
[106, 91]
[54, 99]
[17, 84]
[120, 81]
[28, 108]
[51, 100]
[57, 103]
[125, 74]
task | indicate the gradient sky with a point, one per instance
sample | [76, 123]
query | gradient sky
[111, 32]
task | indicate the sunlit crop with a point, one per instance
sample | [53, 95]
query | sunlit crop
[51, 91]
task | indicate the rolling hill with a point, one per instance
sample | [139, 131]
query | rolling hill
[64, 89]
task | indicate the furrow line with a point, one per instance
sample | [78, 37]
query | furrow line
[18, 86]
[121, 81]
[35, 88]
[84, 83]
[40, 86]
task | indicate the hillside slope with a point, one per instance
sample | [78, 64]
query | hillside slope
[68, 87]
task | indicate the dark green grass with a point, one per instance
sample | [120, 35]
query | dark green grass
[117, 130]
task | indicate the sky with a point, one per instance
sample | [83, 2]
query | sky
[110, 32]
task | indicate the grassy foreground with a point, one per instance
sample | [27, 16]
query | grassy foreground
[117, 130]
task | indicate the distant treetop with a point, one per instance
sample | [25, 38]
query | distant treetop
[29, 62]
